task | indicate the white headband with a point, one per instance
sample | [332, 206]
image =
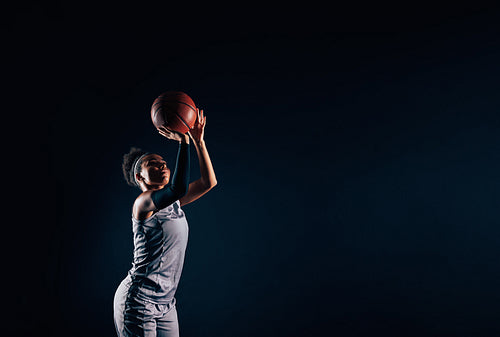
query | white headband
[136, 166]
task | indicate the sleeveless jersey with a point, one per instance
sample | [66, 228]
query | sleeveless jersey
[160, 244]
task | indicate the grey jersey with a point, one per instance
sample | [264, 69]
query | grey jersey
[160, 244]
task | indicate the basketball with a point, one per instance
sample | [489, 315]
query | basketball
[175, 110]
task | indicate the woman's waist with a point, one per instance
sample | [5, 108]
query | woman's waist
[150, 290]
[158, 270]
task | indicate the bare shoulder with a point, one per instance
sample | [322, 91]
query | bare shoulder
[143, 206]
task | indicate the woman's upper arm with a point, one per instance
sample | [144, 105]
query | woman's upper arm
[195, 191]
[166, 196]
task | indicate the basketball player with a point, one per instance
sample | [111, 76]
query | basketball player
[144, 303]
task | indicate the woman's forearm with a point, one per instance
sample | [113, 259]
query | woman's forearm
[180, 178]
[178, 187]
[206, 169]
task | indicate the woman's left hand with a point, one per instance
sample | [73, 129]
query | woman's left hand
[173, 135]
[198, 131]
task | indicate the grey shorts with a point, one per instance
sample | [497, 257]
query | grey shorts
[137, 317]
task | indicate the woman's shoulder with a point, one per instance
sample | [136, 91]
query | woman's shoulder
[143, 205]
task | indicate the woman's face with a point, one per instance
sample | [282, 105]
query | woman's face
[154, 170]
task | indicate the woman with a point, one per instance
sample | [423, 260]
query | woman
[144, 303]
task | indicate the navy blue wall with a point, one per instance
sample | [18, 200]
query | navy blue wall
[358, 172]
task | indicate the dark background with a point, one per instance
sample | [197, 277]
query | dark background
[356, 151]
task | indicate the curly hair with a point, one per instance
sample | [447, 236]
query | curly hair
[128, 165]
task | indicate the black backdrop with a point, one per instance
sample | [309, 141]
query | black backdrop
[356, 150]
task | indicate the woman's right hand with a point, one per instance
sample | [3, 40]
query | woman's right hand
[174, 135]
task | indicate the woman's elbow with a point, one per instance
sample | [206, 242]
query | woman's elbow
[211, 184]
[208, 184]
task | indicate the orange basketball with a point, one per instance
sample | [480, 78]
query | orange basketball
[175, 110]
